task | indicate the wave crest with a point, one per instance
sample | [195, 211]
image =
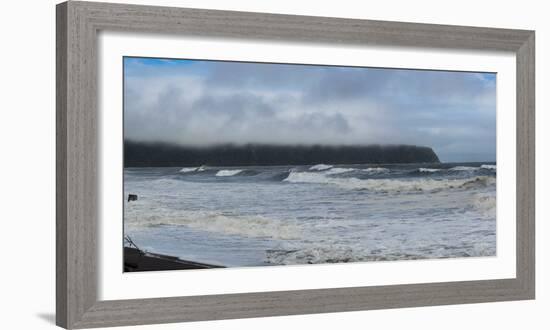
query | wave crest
[464, 168]
[390, 185]
[188, 169]
[193, 169]
[337, 170]
[489, 167]
[376, 170]
[320, 167]
[428, 170]
[228, 172]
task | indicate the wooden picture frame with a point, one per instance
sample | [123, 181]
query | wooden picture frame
[78, 24]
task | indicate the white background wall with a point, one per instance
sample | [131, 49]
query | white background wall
[27, 163]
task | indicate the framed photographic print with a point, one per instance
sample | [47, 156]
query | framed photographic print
[215, 164]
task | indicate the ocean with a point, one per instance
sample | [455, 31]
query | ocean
[283, 215]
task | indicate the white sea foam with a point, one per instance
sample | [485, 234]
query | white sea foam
[188, 169]
[313, 255]
[228, 172]
[375, 170]
[489, 167]
[337, 170]
[463, 168]
[486, 203]
[319, 254]
[429, 170]
[245, 226]
[397, 218]
[390, 185]
[320, 167]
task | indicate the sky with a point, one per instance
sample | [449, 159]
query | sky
[203, 103]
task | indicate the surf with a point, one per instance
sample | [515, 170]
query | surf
[228, 172]
[389, 185]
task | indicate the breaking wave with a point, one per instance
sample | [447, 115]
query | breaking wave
[390, 185]
[323, 170]
[489, 167]
[188, 169]
[192, 169]
[375, 170]
[337, 170]
[459, 169]
[228, 172]
[428, 170]
[464, 168]
[320, 167]
[330, 169]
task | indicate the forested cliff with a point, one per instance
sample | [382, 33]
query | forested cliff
[137, 154]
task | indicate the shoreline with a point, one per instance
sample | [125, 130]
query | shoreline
[140, 261]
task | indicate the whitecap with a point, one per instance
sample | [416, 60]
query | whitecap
[428, 170]
[390, 185]
[320, 167]
[188, 169]
[463, 168]
[375, 170]
[337, 170]
[489, 167]
[228, 172]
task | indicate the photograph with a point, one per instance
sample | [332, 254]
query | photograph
[245, 164]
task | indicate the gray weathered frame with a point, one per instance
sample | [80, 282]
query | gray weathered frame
[77, 152]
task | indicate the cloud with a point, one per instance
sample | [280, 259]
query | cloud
[210, 102]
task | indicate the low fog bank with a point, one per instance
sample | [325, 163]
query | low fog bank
[139, 154]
